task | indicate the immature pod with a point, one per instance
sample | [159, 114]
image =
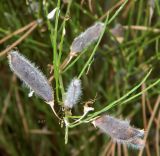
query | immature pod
[87, 37]
[119, 130]
[31, 76]
[73, 93]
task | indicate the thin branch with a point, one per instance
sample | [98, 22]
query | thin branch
[157, 136]
[143, 28]
[17, 32]
[21, 111]
[111, 9]
[6, 105]
[144, 116]
[150, 122]
[4, 52]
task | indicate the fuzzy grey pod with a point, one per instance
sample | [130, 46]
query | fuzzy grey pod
[87, 37]
[30, 75]
[119, 130]
[73, 93]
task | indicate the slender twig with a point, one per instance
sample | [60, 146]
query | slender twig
[17, 32]
[111, 9]
[107, 147]
[70, 56]
[90, 5]
[150, 122]
[41, 132]
[112, 149]
[119, 149]
[144, 106]
[144, 116]
[4, 52]
[128, 8]
[6, 105]
[21, 111]
[157, 136]
[151, 111]
[125, 150]
[143, 28]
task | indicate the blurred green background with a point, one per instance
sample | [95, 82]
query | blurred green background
[123, 58]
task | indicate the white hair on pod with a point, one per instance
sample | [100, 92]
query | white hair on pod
[120, 131]
[73, 93]
[30, 75]
[87, 37]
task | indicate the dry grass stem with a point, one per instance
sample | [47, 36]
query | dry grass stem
[41, 132]
[4, 52]
[144, 116]
[21, 111]
[157, 136]
[107, 148]
[142, 28]
[6, 105]
[125, 150]
[150, 122]
[111, 9]
[17, 32]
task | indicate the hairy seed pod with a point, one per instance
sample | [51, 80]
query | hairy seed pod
[73, 93]
[119, 130]
[30, 75]
[87, 37]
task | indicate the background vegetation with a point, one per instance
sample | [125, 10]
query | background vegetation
[120, 62]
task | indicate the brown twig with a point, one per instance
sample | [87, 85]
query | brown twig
[144, 107]
[90, 5]
[157, 136]
[125, 150]
[144, 116]
[143, 28]
[6, 105]
[41, 131]
[151, 111]
[128, 8]
[150, 122]
[111, 9]
[108, 146]
[113, 149]
[17, 32]
[18, 41]
[21, 111]
[119, 149]
[70, 56]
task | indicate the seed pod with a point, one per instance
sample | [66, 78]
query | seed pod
[118, 32]
[73, 93]
[87, 37]
[119, 130]
[31, 76]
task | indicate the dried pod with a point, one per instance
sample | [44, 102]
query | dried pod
[118, 32]
[119, 130]
[30, 75]
[73, 93]
[87, 37]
